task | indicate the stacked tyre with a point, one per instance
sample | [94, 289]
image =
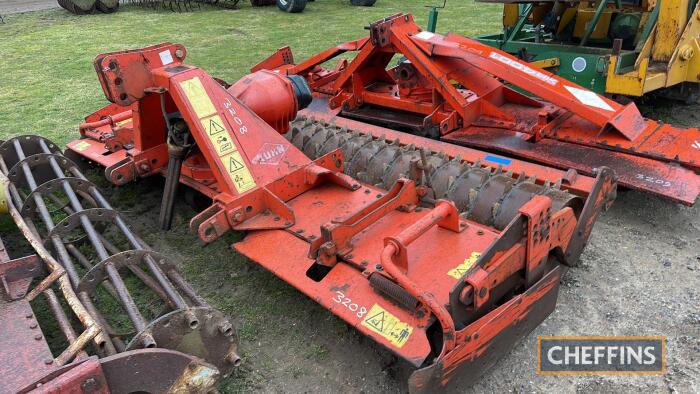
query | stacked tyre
[82, 7]
[299, 5]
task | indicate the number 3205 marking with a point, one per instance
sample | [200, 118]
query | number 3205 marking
[340, 298]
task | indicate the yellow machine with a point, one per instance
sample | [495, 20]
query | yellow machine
[616, 47]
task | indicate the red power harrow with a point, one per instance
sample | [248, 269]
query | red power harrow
[460, 91]
[435, 255]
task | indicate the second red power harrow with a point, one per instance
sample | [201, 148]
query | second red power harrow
[460, 91]
[437, 255]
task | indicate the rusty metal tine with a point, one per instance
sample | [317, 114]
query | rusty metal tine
[63, 322]
[80, 309]
[114, 250]
[86, 264]
[187, 288]
[124, 296]
[45, 284]
[141, 274]
[138, 244]
[74, 348]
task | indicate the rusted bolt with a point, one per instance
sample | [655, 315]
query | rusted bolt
[90, 385]
[33, 325]
[147, 341]
[191, 320]
[480, 232]
[232, 358]
[236, 217]
[287, 223]
[277, 218]
[379, 267]
[37, 337]
[300, 231]
[367, 191]
[225, 328]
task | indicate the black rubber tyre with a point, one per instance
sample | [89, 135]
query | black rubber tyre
[107, 6]
[363, 3]
[78, 7]
[291, 5]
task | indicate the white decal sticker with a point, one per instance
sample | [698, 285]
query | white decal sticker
[270, 154]
[524, 68]
[166, 57]
[695, 144]
[425, 35]
[589, 98]
[579, 64]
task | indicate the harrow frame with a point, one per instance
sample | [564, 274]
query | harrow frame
[421, 274]
[464, 92]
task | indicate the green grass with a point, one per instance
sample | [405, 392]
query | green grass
[48, 84]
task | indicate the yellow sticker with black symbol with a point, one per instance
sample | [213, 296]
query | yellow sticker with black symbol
[238, 172]
[218, 135]
[81, 146]
[382, 322]
[459, 271]
[198, 97]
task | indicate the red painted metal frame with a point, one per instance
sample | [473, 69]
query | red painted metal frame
[329, 235]
[461, 89]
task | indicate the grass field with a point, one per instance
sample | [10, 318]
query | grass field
[48, 84]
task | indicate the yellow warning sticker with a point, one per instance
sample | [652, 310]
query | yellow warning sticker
[218, 135]
[387, 325]
[199, 99]
[81, 146]
[238, 172]
[123, 122]
[459, 271]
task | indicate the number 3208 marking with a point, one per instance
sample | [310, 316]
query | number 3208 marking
[340, 298]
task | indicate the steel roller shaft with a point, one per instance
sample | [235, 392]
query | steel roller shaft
[487, 195]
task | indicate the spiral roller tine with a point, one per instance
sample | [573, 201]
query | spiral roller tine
[488, 195]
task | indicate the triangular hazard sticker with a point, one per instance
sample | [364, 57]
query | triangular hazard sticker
[214, 127]
[376, 321]
[234, 165]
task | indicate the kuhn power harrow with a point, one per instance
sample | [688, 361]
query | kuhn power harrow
[167, 339]
[457, 90]
[421, 245]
